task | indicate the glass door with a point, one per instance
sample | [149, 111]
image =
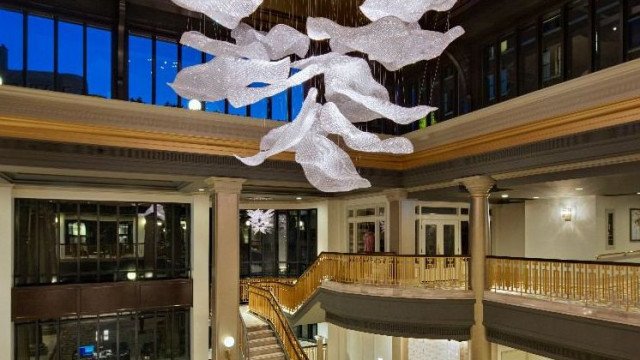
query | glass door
[438, 237]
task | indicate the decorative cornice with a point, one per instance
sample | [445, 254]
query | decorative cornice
[478, 185]
[223, 185]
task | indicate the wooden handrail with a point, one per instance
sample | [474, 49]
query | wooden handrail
[621, 253]
[264, 303]
[564, 261]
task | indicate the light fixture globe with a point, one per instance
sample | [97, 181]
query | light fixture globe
[228, 342]
[194, 105]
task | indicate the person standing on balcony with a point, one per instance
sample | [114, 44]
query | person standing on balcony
[369, 241]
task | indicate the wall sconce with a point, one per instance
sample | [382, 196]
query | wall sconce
[228, 342]
[566, 214]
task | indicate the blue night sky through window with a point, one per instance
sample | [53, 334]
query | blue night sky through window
[140, 69]
[84, 65]
[99, 62]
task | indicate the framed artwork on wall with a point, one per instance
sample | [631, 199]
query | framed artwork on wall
[634, 224]
[610, 238]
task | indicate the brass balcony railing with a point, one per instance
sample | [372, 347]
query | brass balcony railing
[244, 285]
[312, 352]
[263, 303]
[386, 270]
[595, 283]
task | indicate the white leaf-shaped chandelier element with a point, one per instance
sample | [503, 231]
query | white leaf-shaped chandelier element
[219, 77]
[410, 11]
[261, 221]
[280, 41]
[389, 41]
[258, 66]
[227, 13]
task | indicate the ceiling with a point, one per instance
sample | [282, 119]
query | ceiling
[622, 184]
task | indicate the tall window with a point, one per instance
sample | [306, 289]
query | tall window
[528, 63]
[11, 47]
[489, 75]
[579, 39]
[99, 75]
[140, 69]
[508, 67]
[280, 106]
[40, 52]
[552, 49]
[70, 58]
[608, 46]
[83, 242]
[166, 70]
[449, 90]
[287, 249]
[190, 57]
[633, 29]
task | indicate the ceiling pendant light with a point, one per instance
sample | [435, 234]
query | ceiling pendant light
[352, 95]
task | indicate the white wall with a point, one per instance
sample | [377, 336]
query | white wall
[427, 349]
[344, 344]
[547, 235]
[508, 230]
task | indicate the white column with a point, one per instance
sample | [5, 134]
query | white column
[200, 275]
[226, 265]
[394, 223]
[479, 187]
[6, 270]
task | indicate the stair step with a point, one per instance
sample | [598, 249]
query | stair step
[266, 349]
[263, 341]
[259, 334]
[258, 327]
[279, 356]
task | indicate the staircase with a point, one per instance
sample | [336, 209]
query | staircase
[262, 343]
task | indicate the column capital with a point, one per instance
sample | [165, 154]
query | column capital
[396, 194]
[478, 185]
[224, 185]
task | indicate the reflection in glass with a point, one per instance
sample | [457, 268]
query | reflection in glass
[99, 62]
[69, 242]
[11, 45]
[297, 98]
[489, 75]
[528, 64]
[40, 52]
[431, 240]
[70, 58]
[140, 69]
[633, 29]
[608, 45]
[508, 67]
[552, 49]
[579, 37]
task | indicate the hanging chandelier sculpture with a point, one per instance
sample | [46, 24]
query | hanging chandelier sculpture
[261, 221]
[394, 39]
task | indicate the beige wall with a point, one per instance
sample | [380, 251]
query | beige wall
[508, 230]
[621, 224]
[547, 235]
[500, 352]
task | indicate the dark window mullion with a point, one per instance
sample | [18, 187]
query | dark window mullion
[25, 53]
[98, 247]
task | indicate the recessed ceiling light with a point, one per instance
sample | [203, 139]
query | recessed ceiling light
[298, 198]
[638, 193]
[579, 189]
[504, 196]
[201, 190]
[536, 197]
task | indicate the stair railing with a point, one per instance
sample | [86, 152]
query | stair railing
[263, 303]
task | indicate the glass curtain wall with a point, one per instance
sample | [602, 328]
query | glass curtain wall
[53, 53]
[84, 242]
[161, 335]
[286, 249]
